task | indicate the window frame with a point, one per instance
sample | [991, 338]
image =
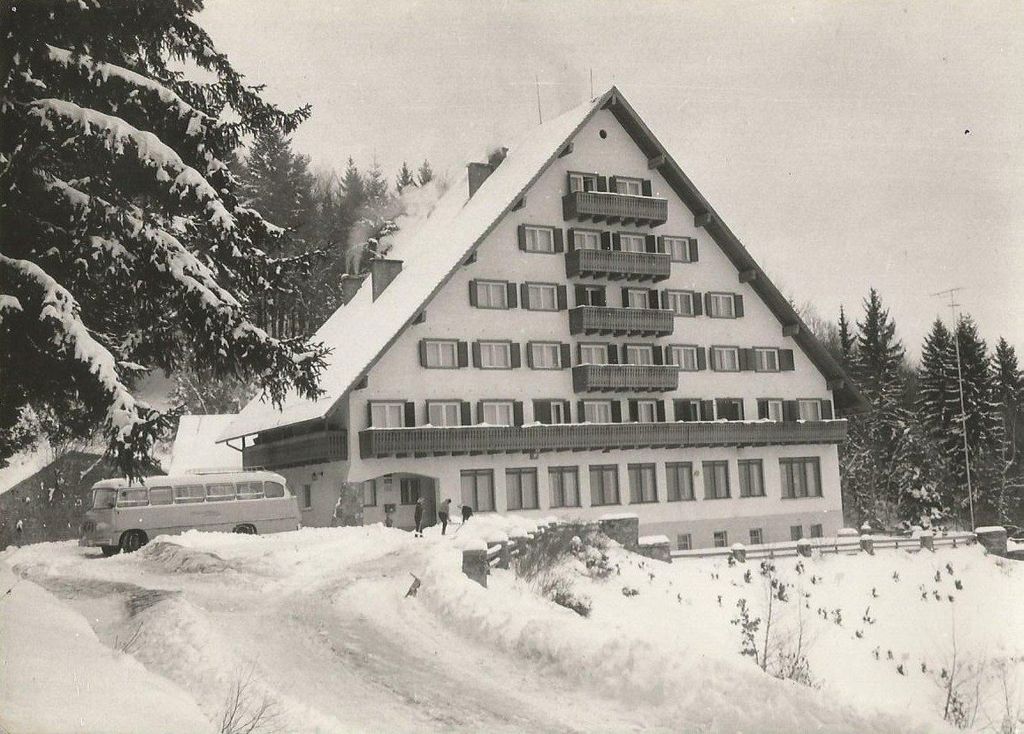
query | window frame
[650, 403]
[475, 474]
[428, 343]
[759, 351]
[491, 344]
[530, 301]
[482, 285]
[691, 296]
[645, 293]
[684, 241]
[596, 235]
[584, 177]
[711, 297]
[629, 180]
[162, 488]
[672, 348]
[760, 536]
[680, 545]
[374, 404]
[801, 402]
[641, 471]
[637, 238]
[306, 498]
[605, 470]
[527, 228]
[561, 472]
[647, 349]
[485, 404]
[713, 465]
[431, 404]
[720, 535]
[532, 357]
[370, 484]
[743, 468]
[519, 473]
[805, 462]
[769, 402]
[592, 345]
[406, 499]
[713, 363]
[588, 403]
[671, 468]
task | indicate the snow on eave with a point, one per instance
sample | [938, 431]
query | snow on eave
[361, 332]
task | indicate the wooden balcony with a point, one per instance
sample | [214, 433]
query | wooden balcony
[601, 206]
[375, 443]
[616, 265]
[618, 321]
[625, 377]
[309, 448]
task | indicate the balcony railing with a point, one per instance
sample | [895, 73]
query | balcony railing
[603, 320]
[616, 265]
[310, 448]
[601, 206]
[383, 442]
[625, 377]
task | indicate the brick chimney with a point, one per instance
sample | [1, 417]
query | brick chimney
[478, 173]
[382, 272]
[349, 285]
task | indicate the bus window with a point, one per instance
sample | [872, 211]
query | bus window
[220, 492]
[190, 493]
[103, 499]
[132, 497]
[273, 489]
[161, 495]
[249, 490]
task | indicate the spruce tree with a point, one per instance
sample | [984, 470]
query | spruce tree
[376, 186]
[404, 178]
[425, 174]
[1009, 393]
[938, 394]
[123, 243]
[846, 338]
[353, 191]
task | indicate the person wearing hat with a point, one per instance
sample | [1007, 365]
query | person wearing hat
[418, 516]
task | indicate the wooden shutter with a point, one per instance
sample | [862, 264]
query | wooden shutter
[645, 187]
[658, 356]
[616, 411]
[606, 240]
[581, 412]
[661, 244]
[739, 409]
[790, 410]
[570, 239]
[581, 296]
[826, 409]
[561, 297]
[463, 353]
[707, 303]
[479, 411]
[707, 410]
[786, 360]
[659, 409]
[567, 405]
[722, 408]
[465, 413]
[369, 415]
[616, 242]
[423, 352]
[694, 254]
[517, 412]
[476, 354]
[559, 240]
[697, 303]
[524, 295]
[564, 355]
[634, 410]
[410, 414]
[762, 408]
[679, 409]
[542, 411]
[625, 297]
[702, 358]
[602, 183]
[737, 304]
[602, 297]
[515, 355]
[472, 293]
[511, 296]
[529, 354]
[613, 184]
[521, 230]
[747, 360]
[613, 354]
[654, 300]
[650, 243]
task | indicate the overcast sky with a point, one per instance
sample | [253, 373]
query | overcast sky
[847, 144]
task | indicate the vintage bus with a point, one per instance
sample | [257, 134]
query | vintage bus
[125, 516]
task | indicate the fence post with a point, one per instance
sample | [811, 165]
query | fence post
[993, 538]
[867, 544]
[474, 564]
[505, 555]
[738, 552]
[927, 541]
[803, 548]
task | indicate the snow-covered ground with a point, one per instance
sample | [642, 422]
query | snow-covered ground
[316, 624]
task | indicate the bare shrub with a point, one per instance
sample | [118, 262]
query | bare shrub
[542, 564]
[248, 710]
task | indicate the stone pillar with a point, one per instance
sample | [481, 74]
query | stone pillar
[349, 510]
[927, 541]
[738, 553]
[474, 565]
[659, 548]
[867, 544]
[624, 529]
[505, 555]
[803, 548]
[993, 538]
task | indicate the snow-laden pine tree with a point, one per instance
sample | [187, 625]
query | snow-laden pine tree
[847, 339]
[425, 174]
[123, 243]
[1009, 393]
[404, 178]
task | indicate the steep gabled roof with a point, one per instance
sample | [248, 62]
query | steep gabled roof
[362, 330]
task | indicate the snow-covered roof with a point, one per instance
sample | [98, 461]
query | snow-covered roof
[195, 444]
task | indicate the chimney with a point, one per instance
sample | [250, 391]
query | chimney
[478, 173]
[350, 285]
[382, 272]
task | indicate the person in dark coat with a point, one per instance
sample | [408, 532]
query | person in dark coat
[418, 516]
[443, 514]
[467, 512]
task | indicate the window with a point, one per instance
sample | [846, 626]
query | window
[685, 358]
[369, 493]
[441, 354]
[220, 492]
[495, 355]
[721, 539]
[642, 484]
[582, 182]
[638, 298]
[521, 489]
[632, 243]
[249, 490]
[716, 480]
[593, 354]
[604, 485]
[629, 186]
[597, 411]
[646, 411]
[545, 355]
[796, 532]
[639, 354]
[559, 412]
[756, 536]
[444, 412]
[725, 359]
[590, 295]
[541, 297]
[409, 490]
[684, 541]
[678, 248]
[273, 490]
[133, 497]
[190, 493]
[564, 486]
[751, 478]
[679, 302]
[586, 240]
[730, 409]
[491, 294]
[307, 496]
[766, 360]
[540, 239]
[816, 531]
[810, 410]
[773, 409]
[680, 481]
[387, 415]
[478, 489]
[800, 477]
[497, 412]
[687, 410]
[161, 495]
[721, 305]
[551, 411]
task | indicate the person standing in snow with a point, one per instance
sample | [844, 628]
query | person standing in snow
[467, 512]
[443, 514]
[418, 516]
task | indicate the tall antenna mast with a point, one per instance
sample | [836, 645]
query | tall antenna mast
[960, 382]
[540, 115]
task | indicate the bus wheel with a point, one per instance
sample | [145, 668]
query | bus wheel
[109, 550]
[246, 529]
[132, 540]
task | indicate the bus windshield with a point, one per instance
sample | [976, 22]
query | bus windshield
[103, 499]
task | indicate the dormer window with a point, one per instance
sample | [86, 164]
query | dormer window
[582, 182]
[629, 186]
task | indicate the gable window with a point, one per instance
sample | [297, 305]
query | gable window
[586, 239]
[725, 359]
[545, 355]
[491, 294]
[684, 357]
[541, 297]
[720, 539]
[639, 354]
[756, 536]
[684, 541]
[497, 412]
[444, 412]
[478, 489]
[582, 182]
[521, 489]
[721, 305]
[597, 411]
[642, 485]
[638, 298]
[441, 353]
[564, 486]
[590, 295]
[647, 411]
[604, 484]
[593, 354]
[680, 481]
[801, 477]
[495, 355]
[678, 248]
[810, 410]
[387, 415]
[629, 186]
[679, 302]
[632, 243]
[766, 359]
[751, 478]
[539, 239]
[716, 480]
